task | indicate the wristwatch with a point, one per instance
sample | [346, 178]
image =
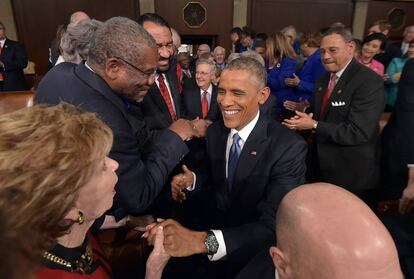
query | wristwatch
[315, 125]
[211, 243]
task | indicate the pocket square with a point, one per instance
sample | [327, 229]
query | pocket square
[338, 104]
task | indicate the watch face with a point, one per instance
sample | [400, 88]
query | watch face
[211, 243]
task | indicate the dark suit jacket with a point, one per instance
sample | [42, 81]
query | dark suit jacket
[390, 52]
[140, 180]
[271, 164]
[347, 136]
[398, 134]
[191, 102]
[14, 59]
[155, 109]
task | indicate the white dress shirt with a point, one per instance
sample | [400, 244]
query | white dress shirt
[209, 93]
[244, 133]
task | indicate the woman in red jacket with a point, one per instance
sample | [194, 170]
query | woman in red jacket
[56, 180]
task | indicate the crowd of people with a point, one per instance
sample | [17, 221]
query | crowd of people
[207, 155]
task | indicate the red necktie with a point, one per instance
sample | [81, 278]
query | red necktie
[166, 95]
[204, 105]
[331, 86]
[1, 75]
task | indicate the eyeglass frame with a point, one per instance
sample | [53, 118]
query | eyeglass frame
[151, 75]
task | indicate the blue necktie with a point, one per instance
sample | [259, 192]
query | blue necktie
[233, 158]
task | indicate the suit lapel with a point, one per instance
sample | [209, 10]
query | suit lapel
[96, 82]
[5, 48]
[196, 101]
[320, 89]
[212, 112]
[173, 82]
[253, 148]
[339, 87]
[158, 100]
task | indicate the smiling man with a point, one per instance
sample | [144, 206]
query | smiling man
[112, 82]
[253, 162]
[347, 106]
[161, 107]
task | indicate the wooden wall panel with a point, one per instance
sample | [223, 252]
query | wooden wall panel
[380, 9]
[37, 21]
[270, 16]
[219, 18]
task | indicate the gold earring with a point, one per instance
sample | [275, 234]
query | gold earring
[81, 217]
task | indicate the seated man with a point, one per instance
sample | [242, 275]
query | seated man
[325, 232]
[252, 163]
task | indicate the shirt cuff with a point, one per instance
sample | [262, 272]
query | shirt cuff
[221, 252]
[192, 187]
[410, 165]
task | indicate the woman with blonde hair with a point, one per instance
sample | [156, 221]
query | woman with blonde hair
[55, 181]
[280, 64]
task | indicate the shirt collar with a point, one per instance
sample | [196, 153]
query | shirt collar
[2, 42]
[209, 90]
[340, 72]
[88, 67]
[246, 130]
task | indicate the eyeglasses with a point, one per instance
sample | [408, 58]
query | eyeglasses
[148, 75]
[201, 73]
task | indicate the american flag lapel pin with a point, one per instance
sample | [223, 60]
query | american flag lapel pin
[253, 153]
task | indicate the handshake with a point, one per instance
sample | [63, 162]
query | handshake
[187, 129]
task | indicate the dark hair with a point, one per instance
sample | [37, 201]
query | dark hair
[261, 36]
[248, 32]
[312, 39]
[261, 43]
[236, 30]
[154, 18]
[345, 33]
[358, 44]
[382, 24]
[376, 36]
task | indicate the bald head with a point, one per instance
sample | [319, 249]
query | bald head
[324, 231]
[78, 16]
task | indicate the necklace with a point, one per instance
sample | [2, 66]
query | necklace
[81, 265]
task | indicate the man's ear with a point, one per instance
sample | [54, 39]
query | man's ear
[112, 68]
[280, 261]
[264, 94]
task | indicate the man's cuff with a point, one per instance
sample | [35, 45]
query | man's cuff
[410, 165]
[192, 187]
[221, 252]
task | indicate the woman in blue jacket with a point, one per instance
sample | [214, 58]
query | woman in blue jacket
[281, 64]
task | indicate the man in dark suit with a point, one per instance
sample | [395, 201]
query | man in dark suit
[13, 60]
[398, 160]
[112, 85]
[348, 103]
[253, 162]
[320, 231]
[398, 142]
[200, 94]
[161, 106]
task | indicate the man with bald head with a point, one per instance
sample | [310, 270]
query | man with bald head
[326, 232]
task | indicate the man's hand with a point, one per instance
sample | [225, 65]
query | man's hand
[292, 82]
[407, 200]
[158, 257]
[182, 128]
[301, 121]
[294, 106]
[180, 182]
[179, 241]
[200, 127]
